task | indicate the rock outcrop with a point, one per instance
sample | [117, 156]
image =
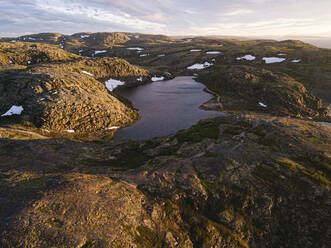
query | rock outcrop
[68, 96]
[254, 89]
[226, 182]
[23, 53]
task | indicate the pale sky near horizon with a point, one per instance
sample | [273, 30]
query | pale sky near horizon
[171, 17]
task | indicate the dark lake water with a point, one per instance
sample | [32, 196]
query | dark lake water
[165, 108]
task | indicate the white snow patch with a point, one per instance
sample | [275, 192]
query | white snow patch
[99, 51]
[213, 52]
[135, 48]
[84, 36]
[161, 55]
[137, 36]
[80, 51]
[213, 60]
[13, 41]
[144, 55]
[69, 131]
[296, 61]
[247, 57]
[195, 50]
[262, 105]
[199, 66]
[87, 73]
[111, 84]
[188, 39]
[271, 60]
[112, 128]
[140, 79]
[11, 61]
[14, 110]
[29, 62]
[30, 38]
[155, 78]
[281, 54]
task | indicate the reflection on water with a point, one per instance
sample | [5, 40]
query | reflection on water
[165, 107]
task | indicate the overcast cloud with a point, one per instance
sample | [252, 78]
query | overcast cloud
[172, 17]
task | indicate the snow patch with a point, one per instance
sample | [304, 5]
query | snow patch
[195, 50]
[87, 73]
[69, 131]
[247, 57]
[140, 79]
[296, 61]
[14, 110]
[29, 62]
[135, 48]
[84, 36]
[155, 78]
[13, 41]
[200, 66]
[99, 51]
[112, 128]
[144, 55]
[271, 60]
[161, 55]
[262, 105]
[137, 36]
[111, 84]
[213, 52]
[281, 54]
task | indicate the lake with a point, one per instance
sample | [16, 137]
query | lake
[165, 108]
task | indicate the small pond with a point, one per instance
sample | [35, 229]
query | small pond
[165, 108]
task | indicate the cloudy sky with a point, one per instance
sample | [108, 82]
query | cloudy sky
[172, 17]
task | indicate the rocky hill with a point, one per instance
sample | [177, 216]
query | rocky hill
[258, 177]
[61, 96]
[31, 53]
[228, 182]
[244, 88]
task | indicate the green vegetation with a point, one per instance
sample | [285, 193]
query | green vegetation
[204, 129]
[237, 128]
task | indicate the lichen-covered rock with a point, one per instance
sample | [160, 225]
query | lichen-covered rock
[68, 96]
[247, 88]
[32, 53]
[270, 188]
